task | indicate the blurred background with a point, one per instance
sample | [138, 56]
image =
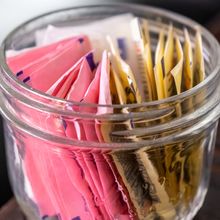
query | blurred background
[12, 13]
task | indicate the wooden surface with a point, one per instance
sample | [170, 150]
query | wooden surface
[11, 211]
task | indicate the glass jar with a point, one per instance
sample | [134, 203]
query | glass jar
[152, 160]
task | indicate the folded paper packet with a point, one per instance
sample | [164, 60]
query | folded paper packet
[107, 185]
[33, 73]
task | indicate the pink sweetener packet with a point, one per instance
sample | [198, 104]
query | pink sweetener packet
[91, 96]
[36, 179]
[86, 161]
[35, 157]
[104, 93]
[59, 65]
[70, 186]
[42, 62]
[84, 78]
[53, 66]
[28, 56]
[61, 87]
[39, 158]
[77, 91]
[55, 191]
[114, 199]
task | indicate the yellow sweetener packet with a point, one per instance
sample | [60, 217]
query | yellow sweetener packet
[178, 69]
[125, 74]
[117, 91]
[148, 57]
[159, 67]
[150, 173]
[199, 68]
[188, 62]
[168, 63]
[140, 40]
[145, 31]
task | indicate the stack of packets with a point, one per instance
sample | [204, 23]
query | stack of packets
[94, 64]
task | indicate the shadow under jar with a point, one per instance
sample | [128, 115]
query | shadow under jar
[158, 168]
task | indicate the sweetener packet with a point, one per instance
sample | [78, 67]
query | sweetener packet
[57, 66]
[168, 63]
[159, 67]
[27, 70]
[102, 130]
[199, 68]
[125, 74]
[52, 65]
[17, 60]
[176, 72]
[33, 159]
[59, 198]
[76, 93]
[158, 192]
[61, 87]
[188, 75]
[188, 62]
[148, 56]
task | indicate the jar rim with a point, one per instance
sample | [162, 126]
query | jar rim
[162, 12]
